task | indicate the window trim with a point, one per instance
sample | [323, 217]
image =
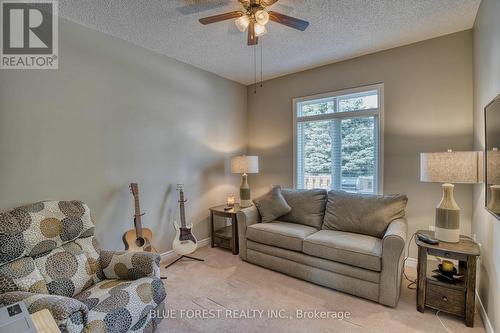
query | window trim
[367, 112]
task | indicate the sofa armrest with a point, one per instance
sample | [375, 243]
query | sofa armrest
[127, 265]
[393, 250]
[246, 217]
[70, 314]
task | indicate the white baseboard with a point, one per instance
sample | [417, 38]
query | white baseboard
[411, 263]
[484, 315]
[165, 256]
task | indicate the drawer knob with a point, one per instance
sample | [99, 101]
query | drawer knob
[447, 254]
[445, 299]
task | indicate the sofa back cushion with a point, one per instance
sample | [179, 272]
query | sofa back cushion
[41, 227]
[362, 213]
[308, 206]
[48, 247]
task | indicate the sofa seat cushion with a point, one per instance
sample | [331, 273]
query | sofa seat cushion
[281, 234]
[121, 305]
[348, 248]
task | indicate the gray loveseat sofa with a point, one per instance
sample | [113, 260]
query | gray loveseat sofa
[348, 242]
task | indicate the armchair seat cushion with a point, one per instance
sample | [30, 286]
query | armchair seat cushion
[281, 234]
[119, 305]
[349, 248]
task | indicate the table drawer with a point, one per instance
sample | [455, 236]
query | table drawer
[447, 254]
[445, 299]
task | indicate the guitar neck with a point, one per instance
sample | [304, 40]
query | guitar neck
[181, 208]
[137, 216]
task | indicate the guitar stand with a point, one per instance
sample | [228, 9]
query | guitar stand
[182, 257]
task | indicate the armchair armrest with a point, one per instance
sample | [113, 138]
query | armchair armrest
[127, 265]
[70, 314]
[393, 246]
[246, 217]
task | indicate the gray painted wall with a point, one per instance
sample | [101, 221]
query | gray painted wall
[115, 113]
[428, 107]
[486, 87]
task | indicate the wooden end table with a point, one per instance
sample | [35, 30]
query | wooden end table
[459, 298]
[225, 237]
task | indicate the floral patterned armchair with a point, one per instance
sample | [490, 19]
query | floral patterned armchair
[50, 259]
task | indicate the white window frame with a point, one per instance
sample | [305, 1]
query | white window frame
[378, 113]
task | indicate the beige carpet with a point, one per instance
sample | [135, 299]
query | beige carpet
[224, 283]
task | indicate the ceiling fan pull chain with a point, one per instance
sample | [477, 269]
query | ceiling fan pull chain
[261, 60]
[254, 69]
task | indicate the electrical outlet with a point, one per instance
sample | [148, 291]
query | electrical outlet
[431, 228]
[480, 247]
[474, 237]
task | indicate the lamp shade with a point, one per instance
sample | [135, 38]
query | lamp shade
[245, 164]
[451, 167]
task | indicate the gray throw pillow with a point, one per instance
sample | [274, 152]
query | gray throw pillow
[362, 213]
[272, 205]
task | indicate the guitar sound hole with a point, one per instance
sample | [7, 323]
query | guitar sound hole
[140, 241]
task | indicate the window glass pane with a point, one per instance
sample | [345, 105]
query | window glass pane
[316, 107]
[359, 101]
[338, 154]
[358, 155]
[315, 153]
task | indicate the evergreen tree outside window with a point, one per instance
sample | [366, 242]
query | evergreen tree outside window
[338, 140]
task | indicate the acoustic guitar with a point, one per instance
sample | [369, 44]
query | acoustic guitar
[139, 238]
[184, 241]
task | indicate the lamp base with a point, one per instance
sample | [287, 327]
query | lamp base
[494, 201]
[447, 228]
[245, 197]
[447, 235]
[245, 203]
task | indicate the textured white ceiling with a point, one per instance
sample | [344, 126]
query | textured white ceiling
[339, 29]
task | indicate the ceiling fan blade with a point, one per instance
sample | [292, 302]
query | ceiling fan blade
[267, 3]
[220, 17]
[252, 38]
[289, 21]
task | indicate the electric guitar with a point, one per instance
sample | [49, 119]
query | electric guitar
[184, 241]
[139, 238]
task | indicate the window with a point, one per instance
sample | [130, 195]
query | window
[337, 140]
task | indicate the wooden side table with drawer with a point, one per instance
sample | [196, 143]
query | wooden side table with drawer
[459, 298]
[227, 236]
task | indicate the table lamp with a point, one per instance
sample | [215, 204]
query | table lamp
[245, 165]
[447, 168]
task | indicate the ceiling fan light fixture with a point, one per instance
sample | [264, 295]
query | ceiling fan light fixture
[260, 29]
[242, 23]
[262, 16]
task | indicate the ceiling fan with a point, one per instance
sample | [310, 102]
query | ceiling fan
[254, 17]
